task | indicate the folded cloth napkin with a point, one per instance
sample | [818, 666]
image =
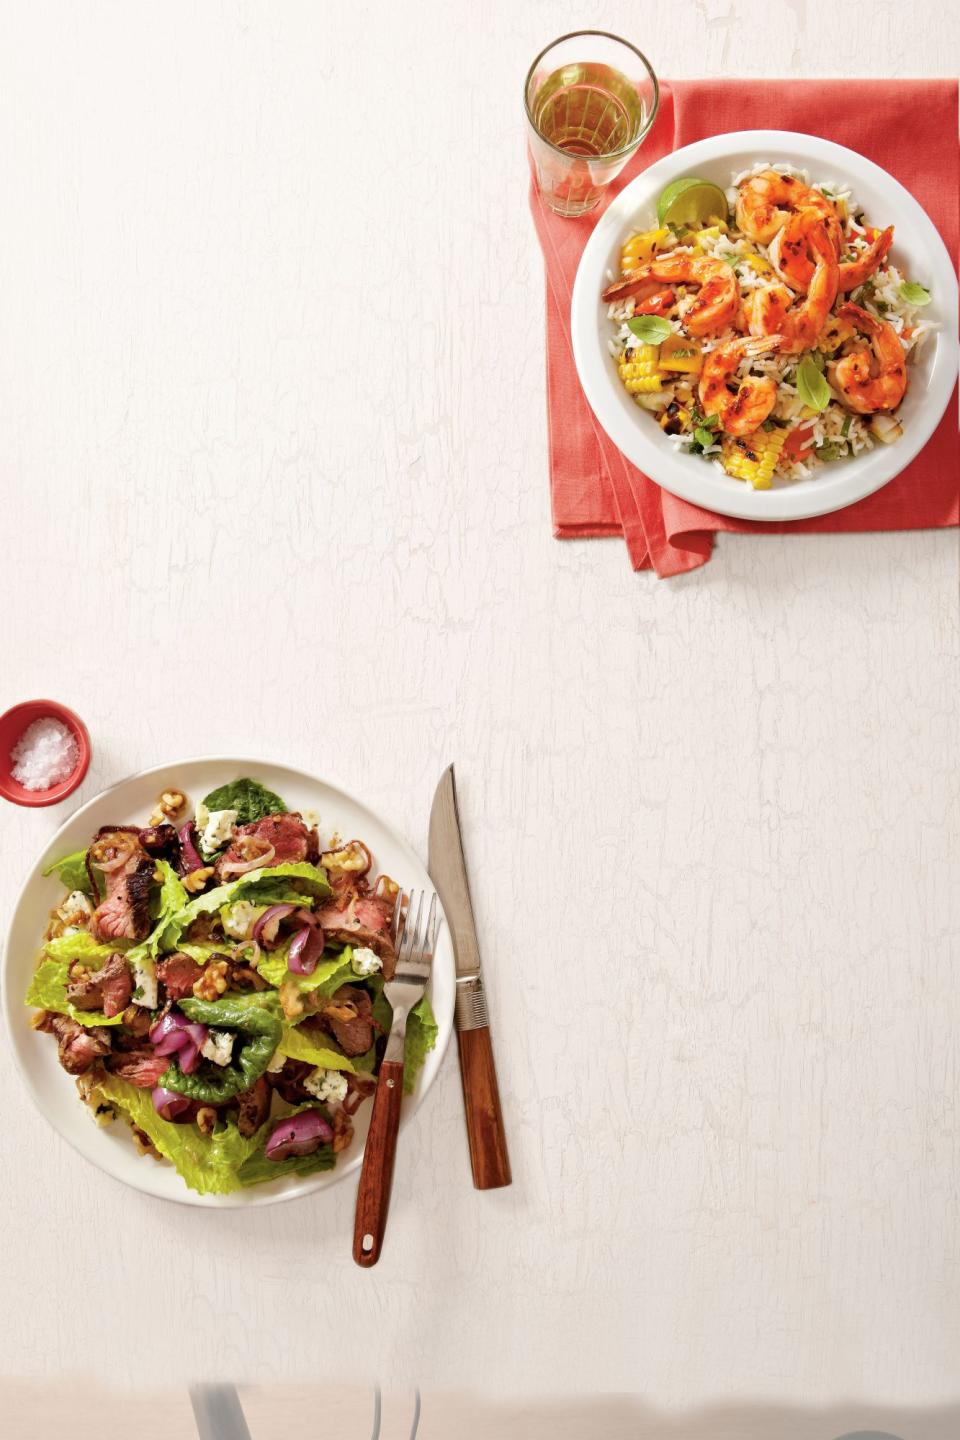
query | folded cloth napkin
[907, 126]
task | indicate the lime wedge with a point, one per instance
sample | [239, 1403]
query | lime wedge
[691, 201]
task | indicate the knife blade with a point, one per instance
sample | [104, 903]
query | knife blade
[489, 1159]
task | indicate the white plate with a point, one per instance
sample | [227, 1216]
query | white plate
[129, 803]
[917, 249]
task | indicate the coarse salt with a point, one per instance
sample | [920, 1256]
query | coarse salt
[45, 754]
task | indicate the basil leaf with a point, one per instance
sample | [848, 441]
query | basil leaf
[914, 294]
[827, 451]
[710, 422]
[651, 329]
[703, 437]
[812, 389]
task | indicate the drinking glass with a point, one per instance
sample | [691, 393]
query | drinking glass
[590, 100]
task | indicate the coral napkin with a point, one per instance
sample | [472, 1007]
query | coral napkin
[907, 126]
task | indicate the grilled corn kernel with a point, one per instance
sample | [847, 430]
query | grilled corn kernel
[835, 333]
[675, 419]
[641, 248]
[639, 371]
[753, 457]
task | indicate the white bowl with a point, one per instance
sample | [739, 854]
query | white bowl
[917, 249]
[129, 803]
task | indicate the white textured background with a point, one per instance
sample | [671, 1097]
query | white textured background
[274, 478]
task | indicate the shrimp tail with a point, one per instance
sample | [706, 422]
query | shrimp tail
[850, 311]
[761, 344]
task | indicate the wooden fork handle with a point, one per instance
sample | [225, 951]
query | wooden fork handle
[376, 1177]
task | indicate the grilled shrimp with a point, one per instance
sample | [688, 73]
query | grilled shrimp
[765, 203]
[870, 382]
[772, 312]
[790, 257]
[715, 304]
[743, 411]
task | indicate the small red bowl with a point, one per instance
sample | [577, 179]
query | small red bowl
[12, 725]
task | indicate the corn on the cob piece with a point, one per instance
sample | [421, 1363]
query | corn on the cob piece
[753, 457]
[639, 373]
[641, 248]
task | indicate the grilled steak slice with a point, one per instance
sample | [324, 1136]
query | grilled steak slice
[107, 989]
[178, 974]
[348, 1016]
[124, 914]
[141, 1067]
[78, 1048]
[254, 1107]
[364, 920]
[289, 836]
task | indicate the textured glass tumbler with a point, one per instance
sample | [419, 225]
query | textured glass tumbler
[590, 100]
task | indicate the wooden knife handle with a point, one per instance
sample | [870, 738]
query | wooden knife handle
[376, 1177]
[481, 1097]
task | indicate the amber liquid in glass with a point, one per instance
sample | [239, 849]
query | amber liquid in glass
[589, 110]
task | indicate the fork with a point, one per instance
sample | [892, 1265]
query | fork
[415, 938]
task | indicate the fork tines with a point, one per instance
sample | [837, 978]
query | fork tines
[415, 936]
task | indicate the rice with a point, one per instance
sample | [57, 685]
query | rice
[835, 433]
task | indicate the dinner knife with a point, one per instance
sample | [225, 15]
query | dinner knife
[218, 1412]
[481, 1097]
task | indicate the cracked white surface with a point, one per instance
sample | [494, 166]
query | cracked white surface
[274, 464]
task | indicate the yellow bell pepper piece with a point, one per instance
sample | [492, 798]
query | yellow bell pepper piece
[641, 248]
[712, 232]
[680, 354]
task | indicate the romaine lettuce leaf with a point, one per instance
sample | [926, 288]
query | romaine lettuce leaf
[208, 1164]
[251, 800]
[258, 886]
[258, 1168]
[328, 975]
[422, 1032]
[201, 953]
[80, 945]
[300, 1046]
[48, 987]
[164, 904]
[72, 872]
